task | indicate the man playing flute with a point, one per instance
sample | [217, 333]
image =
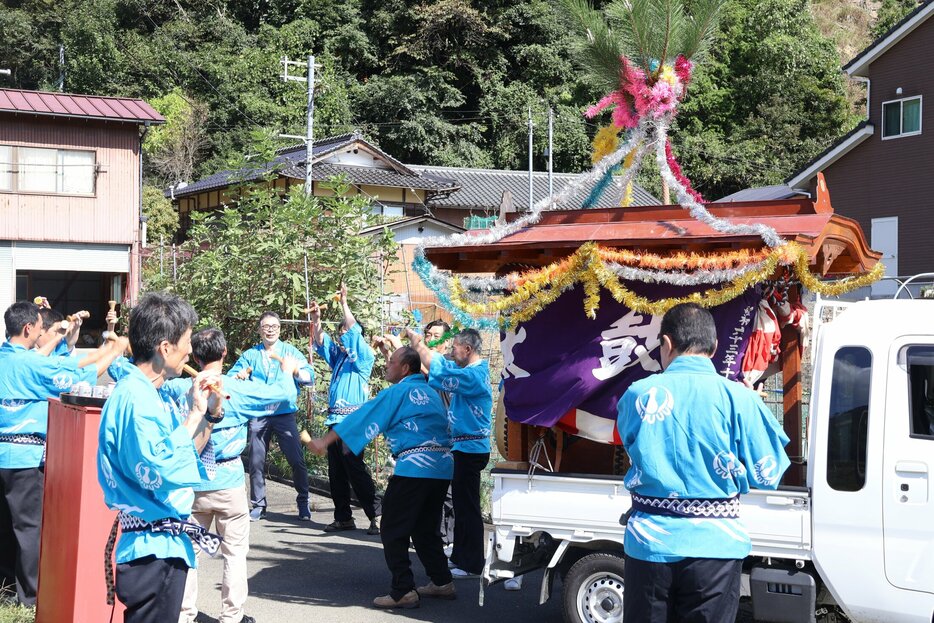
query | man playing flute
[148, 461]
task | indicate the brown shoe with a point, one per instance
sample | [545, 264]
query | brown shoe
[445, 591]
[340, 526]
[408, 601]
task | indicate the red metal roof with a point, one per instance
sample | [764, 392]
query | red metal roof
[836, 244]
[121, 109]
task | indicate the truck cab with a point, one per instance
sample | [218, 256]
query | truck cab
[871, 447]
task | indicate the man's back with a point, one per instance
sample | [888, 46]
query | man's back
[694, 435]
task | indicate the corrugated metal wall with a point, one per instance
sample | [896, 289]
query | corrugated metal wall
[110, 216]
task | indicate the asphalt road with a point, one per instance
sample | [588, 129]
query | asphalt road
[298, 572]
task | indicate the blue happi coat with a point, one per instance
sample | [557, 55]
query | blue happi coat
[351, 362]
[27, 381]
[147, 465]
[691, 433]
[269, 372]
[411, 417]
[248, 400]
[471, 410]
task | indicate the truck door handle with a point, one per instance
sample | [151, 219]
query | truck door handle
[911, 467]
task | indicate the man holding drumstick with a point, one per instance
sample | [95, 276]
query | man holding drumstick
[260, 364]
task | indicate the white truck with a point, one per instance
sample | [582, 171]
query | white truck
[856, 543]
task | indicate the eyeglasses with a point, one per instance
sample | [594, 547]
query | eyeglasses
[269, 327]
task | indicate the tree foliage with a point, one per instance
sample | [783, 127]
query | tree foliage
[434, 81]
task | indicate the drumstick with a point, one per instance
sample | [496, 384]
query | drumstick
[110, 335]
[213, 386]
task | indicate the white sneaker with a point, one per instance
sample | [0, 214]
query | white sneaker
[459, 574]
[513, 584]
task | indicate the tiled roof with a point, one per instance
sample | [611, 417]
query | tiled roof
[483, 188]
[122, 109]
[290, 162]
[372, 176]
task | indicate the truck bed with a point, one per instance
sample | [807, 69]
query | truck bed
[583, 508]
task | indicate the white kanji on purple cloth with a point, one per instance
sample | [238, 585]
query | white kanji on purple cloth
[629, 341]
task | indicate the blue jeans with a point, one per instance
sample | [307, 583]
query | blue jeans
[260, 432]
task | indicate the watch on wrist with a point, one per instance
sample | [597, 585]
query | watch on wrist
[214, 419]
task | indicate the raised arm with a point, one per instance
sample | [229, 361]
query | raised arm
[349, 319]
[317, 334]
[416, 341]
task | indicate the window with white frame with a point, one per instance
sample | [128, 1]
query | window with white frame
[6, 167]
[901, 117]
[47, 171]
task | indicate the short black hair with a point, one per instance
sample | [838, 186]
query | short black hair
[410, 359]
[438, 323]
[471, 338]
[159, 316]
[267, 314]
[208, 345]
[690, 328]
[50, 317]
[18, 315]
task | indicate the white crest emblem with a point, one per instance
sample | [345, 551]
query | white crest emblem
[450, 384]
[11, 404]
[148, 477]
[411, 426]
[476, 411]
[108, 473]
[351, 355]
[725, 465]
[655, 405]
[766, 471]
[63, 380]
[634, 478]
[372, 431]
[419, 397]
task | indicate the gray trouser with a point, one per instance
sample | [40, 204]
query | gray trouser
[286, 432]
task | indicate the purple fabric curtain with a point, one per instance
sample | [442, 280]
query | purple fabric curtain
[561, 359]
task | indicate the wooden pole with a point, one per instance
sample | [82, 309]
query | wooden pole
[793, 422]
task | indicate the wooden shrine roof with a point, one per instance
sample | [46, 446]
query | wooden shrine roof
[836, 244]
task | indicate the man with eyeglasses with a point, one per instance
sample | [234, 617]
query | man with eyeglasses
[261, 364]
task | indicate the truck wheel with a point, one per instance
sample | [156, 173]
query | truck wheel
[593, 590]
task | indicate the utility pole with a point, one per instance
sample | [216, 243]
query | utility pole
[61, 68]
[551, 130]
[530, 159]
[309, 79]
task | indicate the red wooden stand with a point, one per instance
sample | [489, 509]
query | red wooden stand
[75, 522]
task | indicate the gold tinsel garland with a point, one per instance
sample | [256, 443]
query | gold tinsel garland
[589, 266]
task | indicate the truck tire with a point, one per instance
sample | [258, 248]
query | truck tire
[593, 589]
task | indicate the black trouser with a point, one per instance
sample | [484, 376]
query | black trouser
[693, 590]
[468, 521]
[346, 469]
[20, 524]
[412, 510]
[286, 431]
[152, 589]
